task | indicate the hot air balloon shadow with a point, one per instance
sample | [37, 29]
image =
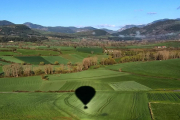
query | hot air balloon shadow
[85, 94]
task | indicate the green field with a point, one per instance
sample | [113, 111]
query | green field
[71, 58]
[37, 52]
[129, 86]
[119, 95]
[111, 105]
[11, 58]
[3, 63]
[29, 106]
[165, 68]
[62, 48]
[166, 111]
[165, 105]
[99, 86]
[52, 59]
[5, 48]
[175, 44]
[170, 97]
[32, 59]
[64, 81]
[8, 53]
[150, 82]
[96, 50]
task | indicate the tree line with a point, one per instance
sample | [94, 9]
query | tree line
[132, 56]
[20, 70]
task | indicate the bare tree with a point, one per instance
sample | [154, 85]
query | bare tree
[165, 55]
[86, 63]
[13, 70]
[102, 61]
[27, 70]
[48, 69]
[38, 70]
[94, 60]
[156, 56]
[7, 70]
[147, 56]
[79, 66]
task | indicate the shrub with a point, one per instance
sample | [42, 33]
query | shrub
[59, 70]
[56, 63]
[23, 63]
[38, 71]
[44, 77]
[108, 61]
[41, 63]
[75, 69]
[69, 63]
[97, 66]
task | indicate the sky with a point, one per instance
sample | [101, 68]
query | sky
[111, 14]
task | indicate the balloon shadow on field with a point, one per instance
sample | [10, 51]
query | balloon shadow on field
[85, 94]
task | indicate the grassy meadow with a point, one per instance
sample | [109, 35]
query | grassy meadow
[164, 68]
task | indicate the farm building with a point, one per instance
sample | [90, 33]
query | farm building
[160, 47]
[11, 41]
[106, 51]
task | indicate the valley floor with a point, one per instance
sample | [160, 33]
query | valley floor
[142, 91]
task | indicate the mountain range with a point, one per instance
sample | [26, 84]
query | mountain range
[18, 32]
[5, 23]
[143, 25]
[61, 29]
[130, 26]
[159, 29]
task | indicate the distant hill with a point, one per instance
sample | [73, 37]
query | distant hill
[35, 26]
[83, 29]
[5, 22]
[161, 29]
[59, 28]
[14, 32]
[156, 30]
[130, 26]
[109, 31]
[51, 29]
[161, 20]
[96, 32]
[143, 25]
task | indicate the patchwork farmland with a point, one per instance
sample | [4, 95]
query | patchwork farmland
[128, 91]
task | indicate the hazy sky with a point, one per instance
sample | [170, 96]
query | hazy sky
[111, 14]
